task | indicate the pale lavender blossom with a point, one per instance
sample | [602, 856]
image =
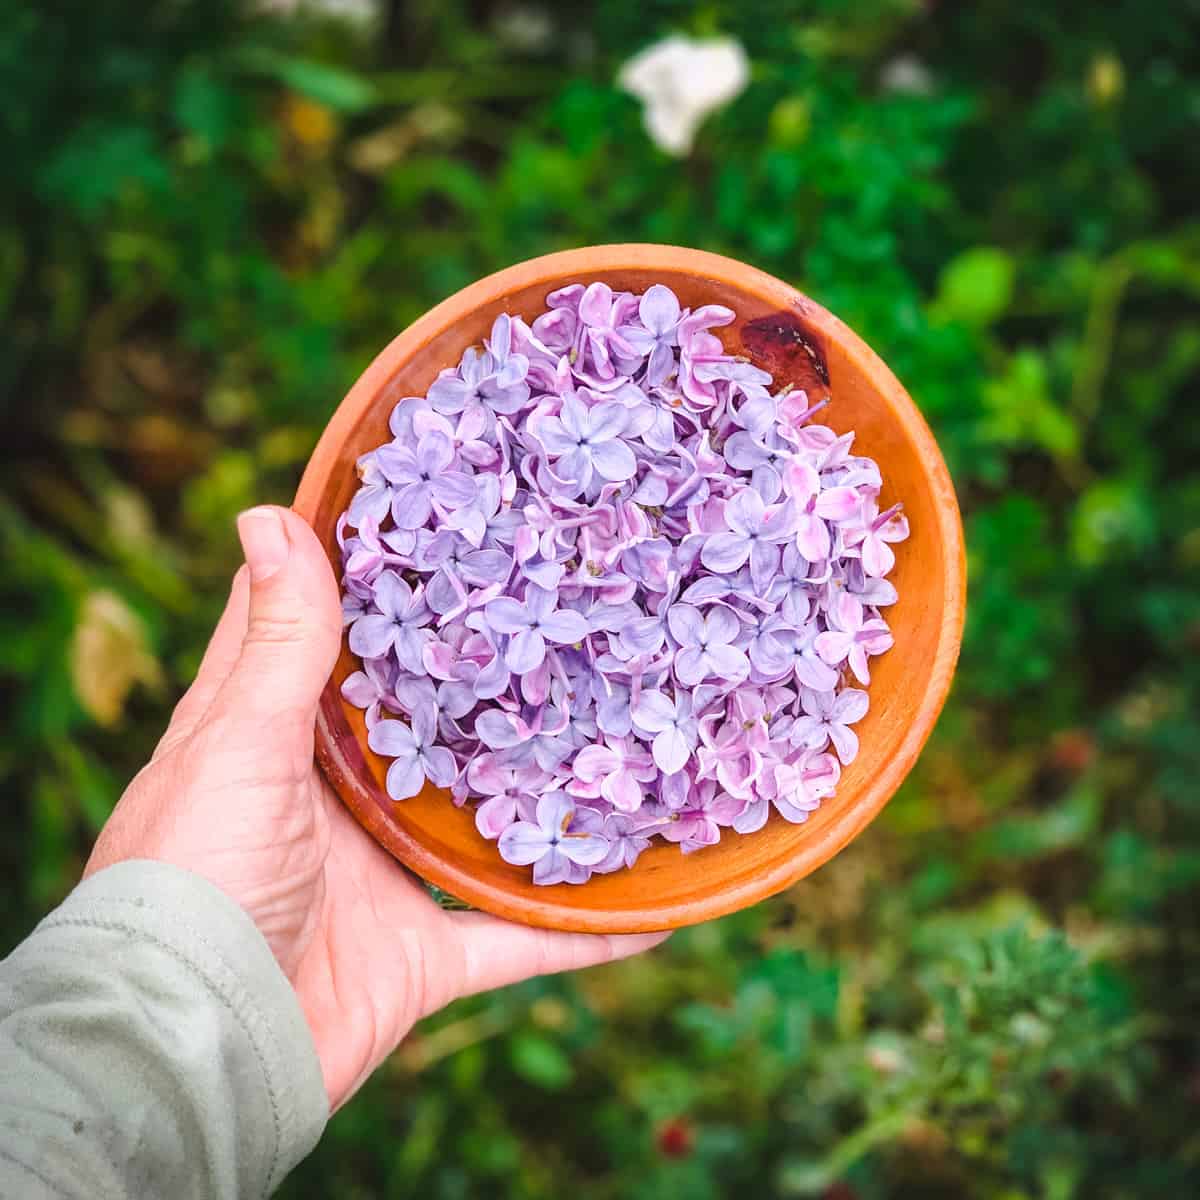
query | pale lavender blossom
[415, 757]
[549, 843]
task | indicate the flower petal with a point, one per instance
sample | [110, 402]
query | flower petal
[393, 739]
[686, 624]
[724, 553]
[654, 712]
[523, 843]
[606, 421]
[613, 460]
[525, 651]
[372, 635]
[497, 728]
[721, 625]
[506, 615]
[405, 777]
[671, 751]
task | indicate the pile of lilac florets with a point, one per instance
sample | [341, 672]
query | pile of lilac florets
[615, 586]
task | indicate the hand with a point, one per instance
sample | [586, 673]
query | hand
[233, 795]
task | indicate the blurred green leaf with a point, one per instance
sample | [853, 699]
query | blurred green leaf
[540, 1061]
[337, 88]
[976, 287]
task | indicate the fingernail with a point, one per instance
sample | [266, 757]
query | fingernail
[264, 542]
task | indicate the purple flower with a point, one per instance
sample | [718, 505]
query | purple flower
[511, 792]
[706, 644]
[765, 455]
[467, 436]
[816, 507]
[767, 640]
[699, 822]
[755, 533]
[371, 688]
[456, 566]
[531, 624]
[565, 571]
[600, 312]
[870, 542]
[614, 771]
[671, 724]
[809, 668]
[657, 335]
[497, 382]
[792, 588]
[586, 442]
[853, 637]
[416, 757]
[373, 500]
[827, 718]
[627, 837]
[550, 844]
[484, 522]
[422, 477]
[399, 624]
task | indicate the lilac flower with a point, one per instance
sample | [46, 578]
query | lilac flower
[531, 624]
[853, 637]
[371, 688]
[816, 507]
[587, 442]
[600, 312]
[672, 726]
[422, 477]
[706, 644]
[657, 335]
[627, 838]
[398, 626]
[809, 668]
[870, 542]
[827, 718]
[511, 792]
[795, 790]
[483, 379]
[699, 822]
[766, 639]
[484, 522]
[765, 456]
[416, 757]
[456, 567]
[791, 589]
[373, 500]
[550, 844]
[565, 571]
[755, 533]
[467, 436]
[614, 771]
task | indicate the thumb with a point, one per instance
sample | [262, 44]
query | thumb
[293, 628]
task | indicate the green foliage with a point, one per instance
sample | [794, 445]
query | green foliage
[216, 213]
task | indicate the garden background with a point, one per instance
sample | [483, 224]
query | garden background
[214, 215]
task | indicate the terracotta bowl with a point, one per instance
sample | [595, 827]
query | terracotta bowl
[799, 342]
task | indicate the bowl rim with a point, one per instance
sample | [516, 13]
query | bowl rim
[551, 912]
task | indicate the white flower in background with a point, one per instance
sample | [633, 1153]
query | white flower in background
[352, 10]
[680, 80]
[906, 73]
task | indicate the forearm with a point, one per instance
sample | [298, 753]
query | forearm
[150, 1046]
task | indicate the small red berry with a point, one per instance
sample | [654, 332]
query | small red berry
[675, 1138]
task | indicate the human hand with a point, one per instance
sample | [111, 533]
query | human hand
[233, 795]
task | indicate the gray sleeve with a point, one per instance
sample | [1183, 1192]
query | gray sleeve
[151, 1046]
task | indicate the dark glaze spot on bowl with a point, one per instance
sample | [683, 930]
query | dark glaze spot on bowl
[786, 345]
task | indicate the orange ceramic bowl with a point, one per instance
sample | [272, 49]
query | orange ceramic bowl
[799, 342]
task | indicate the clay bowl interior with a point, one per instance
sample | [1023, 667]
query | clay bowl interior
[799, 342]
